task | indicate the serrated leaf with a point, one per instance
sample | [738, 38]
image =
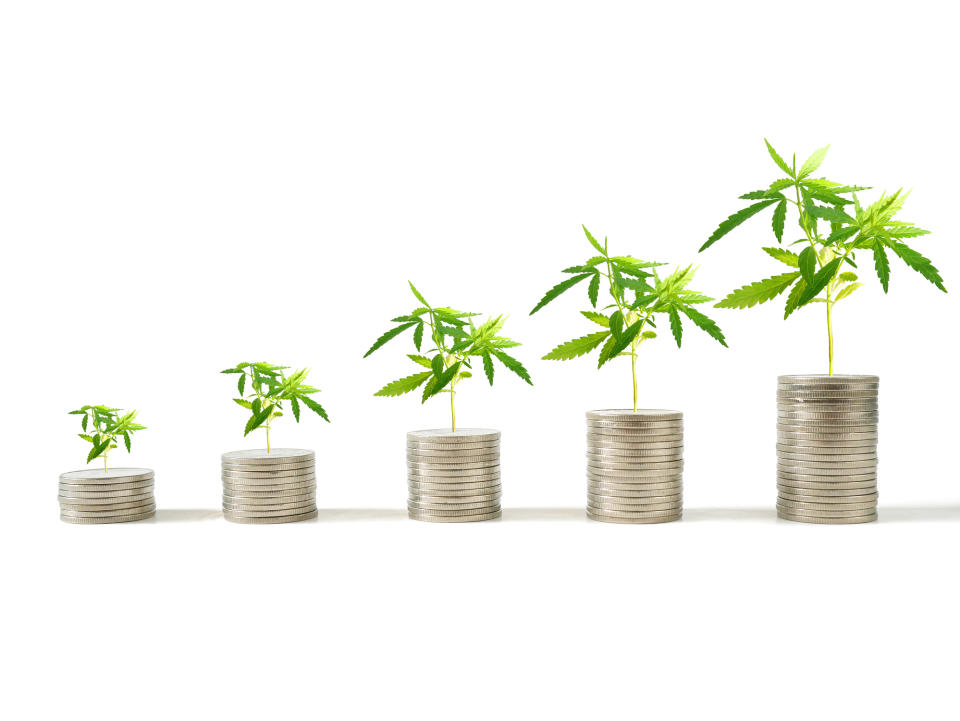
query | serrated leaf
[616, 324]
[834, 215]
[598, 318]
[593, 241]
[83, 423]
[794, 298]
[315, 407]
[784, 256]
[676, 326]
[847, 277]
[918, 262]
[593, 290]
[820, 280]
[488, 366]
[392, 333]
[420, 360]
[847, 291]
[243, 403]
[736, 219]
[620, 343]
[295, 405]
[882, 265]
[759, 292]
[558, 289]
[417, 294]
[418, 336]
[513, 364]
[777, 159]
[808, 263]
[404, 385]
[443, 380]
[437, 365]
[126, 441]
[708, 325]
[779, 218]
[577, 347]
[813, 162]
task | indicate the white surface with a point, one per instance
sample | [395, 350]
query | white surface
[186, 185]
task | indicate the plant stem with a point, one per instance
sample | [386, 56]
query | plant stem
[633, 363]
[268, 439]
[104, 462]
[830, 330]
[453, 411]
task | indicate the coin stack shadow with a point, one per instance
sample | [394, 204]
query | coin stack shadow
[827, 448]
[275, 487]
[634, 466]
[118, 495]
[453, 476]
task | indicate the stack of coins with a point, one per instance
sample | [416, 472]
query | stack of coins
[275, 487]
[453, 476]
[634, 466]
[827, 448]
[115, 496]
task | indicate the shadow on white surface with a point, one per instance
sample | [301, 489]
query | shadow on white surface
[180, 515]
[918, 514]
[544, 514]
[362, 514]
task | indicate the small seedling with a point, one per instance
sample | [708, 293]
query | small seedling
[449, 341]
[639, 295]
[820, 272]
[103, 427]
[264, 388]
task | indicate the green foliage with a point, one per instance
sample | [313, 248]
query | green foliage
[103, 426]
[453, 342]
[638, 295]
[830, 247]
[263, 390]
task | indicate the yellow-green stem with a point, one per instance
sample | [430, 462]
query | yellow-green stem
[104, 462]
[453, 411]
[830, 331]
[633, 364]
[268, 439]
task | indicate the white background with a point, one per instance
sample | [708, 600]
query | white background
[184, 185]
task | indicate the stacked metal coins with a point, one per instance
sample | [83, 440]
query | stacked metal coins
[118, 495]
[275, 487]
[827, 448]
[634, 466]
[453, 476]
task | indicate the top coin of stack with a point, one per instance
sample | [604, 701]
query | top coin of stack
[827, 448]
[634, 466]
[275, 487]
[453, 476]
[117, 495]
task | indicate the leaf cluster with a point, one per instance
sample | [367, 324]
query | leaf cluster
[264, 388]
[639, 298]
[448, 343]
[835, 227]
[103, 426]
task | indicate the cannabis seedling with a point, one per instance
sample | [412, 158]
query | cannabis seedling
[639, 294]
[821, 275]
[263, 389]
[453, 342]
[103, 426]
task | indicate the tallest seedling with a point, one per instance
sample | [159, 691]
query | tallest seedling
[834, 226]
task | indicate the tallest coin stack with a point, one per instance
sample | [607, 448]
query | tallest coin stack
[827, 448]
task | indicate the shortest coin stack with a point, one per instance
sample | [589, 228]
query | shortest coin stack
[827, 448]
[118, 495]
[453, 476]
[275, 487]
[634, 466]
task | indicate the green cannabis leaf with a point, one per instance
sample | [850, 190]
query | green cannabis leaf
[454, 341]
[821, 273]
[638, 294]
[103, 426]
[263, 388]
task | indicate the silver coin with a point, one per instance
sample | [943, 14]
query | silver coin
[128, 508]
[805, 447]
[784, 495]
[652, 519]
[787, 504]
[828, 430]
[447, 506]
[636, 478]
[640, 415]
[302, 499]
[637, 515]
[633, 435]
[266, 482]
[105, 503]
[847, 391]
[817, 378]
[466, 475]
[604, 467]
[300, 507]
[826, 469]
[606, 507]
[114, 519]
[630, 495]
[233, 518]
[484, 446]
[461, 435]
[484, 499]
[105, 494]
[270, 468]
[268, 471]
[420, 516]
[832, 458]
[675, 441]
[783, 476]
[655, 453]
[603, 427]
[260, 455]
[826, 521]
[845, 407]
[828, 489]
[453, 484]
[790, 416]
[234, 513]
[849, 440]
[283, 484]
[104, 487]
[451, 464]
[483, 466]
[105, 514]
[453, 513]
[820, 514]
[113, 475]
[459, 457]
[433, 490]
[284, 493]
